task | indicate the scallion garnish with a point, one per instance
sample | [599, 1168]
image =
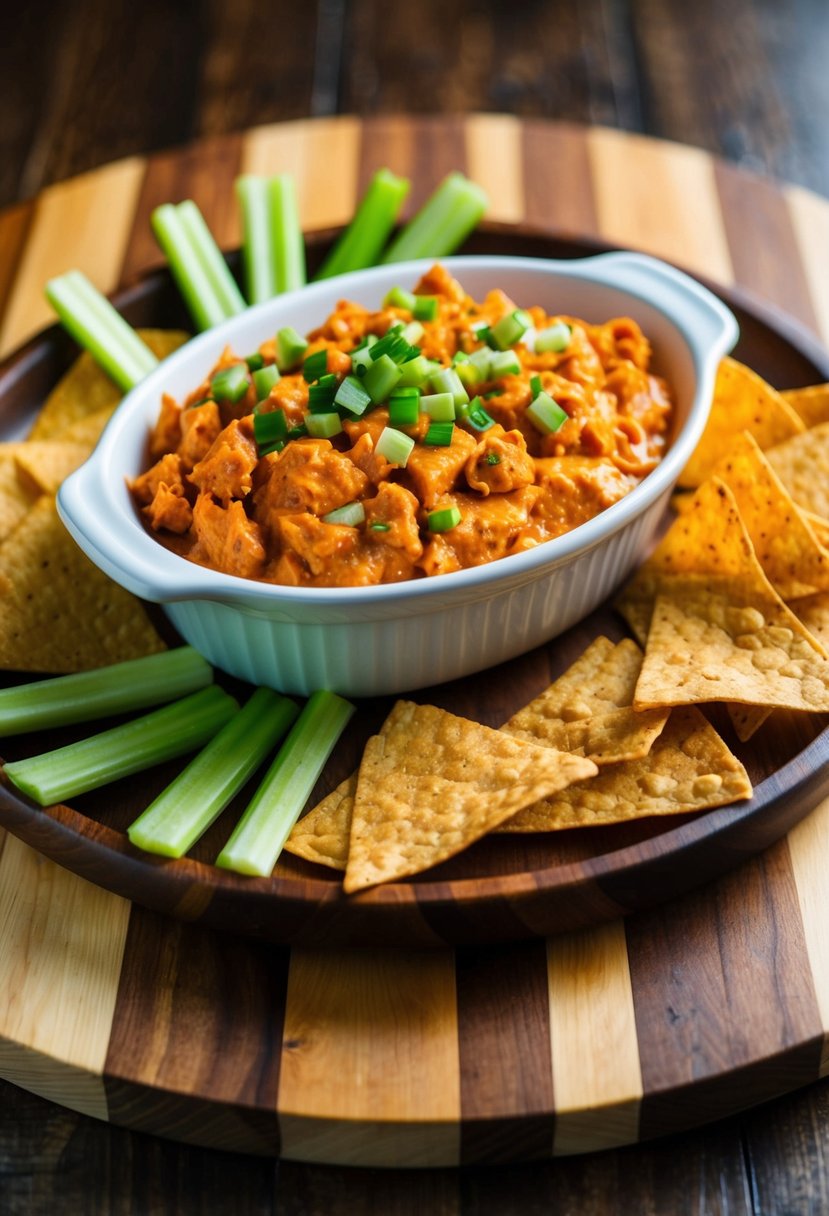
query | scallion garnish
[97, 327]
[352, 396]
[425, 308]
[398, 297]
[504, 363]
[535, 385]
[394, 446]
[255, 362]
[412, 333]
[257, 840]
[444, 519]
[315, 365]
[442, 223]
[290, 347]
[546, 414]
[447, 380]
[231, 383]
[439, 434]
[493, 458]
[362, 242]
[556, 338]
[404, 407]
[183, 812]
[321, 396]
[380, 378]
[394, 346]
[264, 378]
[439, 406]
[123, 750]
[352, 514]
[477, 417]
[510, 329]
[323, 425]
[270, 431]
[102, 692]
[380, 527]
[415, 372]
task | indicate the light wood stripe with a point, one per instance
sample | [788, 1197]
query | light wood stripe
[597, 1078]
[322, 154]
[370, 1071]
[84, 223]
[61, 947]
[661, 198]
[494, 161]
[810, 217]
[807, 849]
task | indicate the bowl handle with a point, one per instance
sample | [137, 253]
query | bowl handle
[712, 323]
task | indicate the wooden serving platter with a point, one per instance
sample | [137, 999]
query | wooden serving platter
[601, 1035]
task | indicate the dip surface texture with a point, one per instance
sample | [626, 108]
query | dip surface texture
[524, 426]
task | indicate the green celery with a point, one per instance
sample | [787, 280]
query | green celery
[363, 240]
[193, 801]
[119, 688]
[257, 250]
[260, 834]
[443, 222]
[211, 258]
[191, 278]
[122, 750]
[287, 240]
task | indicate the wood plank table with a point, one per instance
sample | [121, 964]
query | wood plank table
[588, 1041]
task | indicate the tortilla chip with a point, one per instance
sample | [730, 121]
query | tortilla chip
[16, 499]
[813, 612]
[819, 526]
[802, 464]
[742, 402]
[322, 835]
[423, 795]
[688, 769]
[58, 612]
[43, 464]
[88, 430]
[620, 734]
[747, 719]
[791, 556]
[811, 404]
[85, 389]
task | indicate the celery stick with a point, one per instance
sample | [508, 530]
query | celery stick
[257, 840]
[287, 242]
[442, 223]
[211, 258]
[363, 240]
[186, 808]
[257, 251]
[116, 689]
[138, 745]
[192, 279]
[95, 325]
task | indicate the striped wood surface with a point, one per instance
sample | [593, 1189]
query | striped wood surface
[594, 1039]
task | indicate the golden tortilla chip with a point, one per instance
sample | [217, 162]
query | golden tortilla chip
[88, 430]
[742, 402]
[609, 738]
[819, 526]
[813, 612]
[322, 835]
[747, 719]
[802, 464]
[58, 612]
[423, 793]
[688, 769]
[811, 404]
[786, 547]
[16, 499]
[42, 464]
[85, 389]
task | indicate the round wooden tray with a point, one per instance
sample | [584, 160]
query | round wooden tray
[614, 1033]
[504, 887]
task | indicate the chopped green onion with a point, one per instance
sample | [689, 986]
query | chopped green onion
[270, 431]
[415, 372]
[297, 432]
[439, 406]
[123, 750]
[493, 458]
[477, 417]
[469, 375]
[183, 812]
[352, 396]
[353, 514]
[511, 328]
[257, 247]
[264, 378]
[546, 414]
[504, 363]
[394, 446]
[412, 333]
[290, 347]
[556, 338]
[315, 365]
[255, 362]
[257, 839]
[442, 223]
[361, 360]
[97, 327]
[444, 519]
[395, 346]
[481, 359]
[398, 297]
[460, 356]
[404, 410]
[321, 396]
[448, 381]
[439, 434]
[286, 234]
[363, 240]
[381, 378]
[425, 308]
[119, 688]
[323, 426]
[231, 383]
[535, 385]
[380, 527]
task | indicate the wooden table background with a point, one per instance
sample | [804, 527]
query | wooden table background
[85, 83]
